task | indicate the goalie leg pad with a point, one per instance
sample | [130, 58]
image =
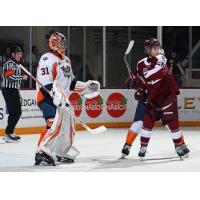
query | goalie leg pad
[49, 123]
[59, 139]
[65, 139]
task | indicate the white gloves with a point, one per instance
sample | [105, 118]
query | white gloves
[89, 89]
[58, 96]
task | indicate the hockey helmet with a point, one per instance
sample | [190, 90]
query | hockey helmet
[16, 49]
[58, 42]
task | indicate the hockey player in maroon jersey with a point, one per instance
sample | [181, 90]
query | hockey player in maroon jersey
[162, 90]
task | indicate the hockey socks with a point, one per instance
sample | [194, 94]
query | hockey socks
[130, 138]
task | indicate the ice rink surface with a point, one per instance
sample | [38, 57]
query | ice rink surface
[101, 153]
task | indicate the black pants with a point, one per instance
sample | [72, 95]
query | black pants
[12, 99]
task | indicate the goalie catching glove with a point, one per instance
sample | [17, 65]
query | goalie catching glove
[89, 89]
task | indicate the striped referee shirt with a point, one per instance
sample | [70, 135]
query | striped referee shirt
[11, 73]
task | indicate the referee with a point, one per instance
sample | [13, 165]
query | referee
[11, 84]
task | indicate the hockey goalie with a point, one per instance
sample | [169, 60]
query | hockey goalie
[55, 74]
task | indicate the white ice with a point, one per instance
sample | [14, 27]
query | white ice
[101, 153]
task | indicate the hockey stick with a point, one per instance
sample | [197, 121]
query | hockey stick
[130, 46]
[94, 131]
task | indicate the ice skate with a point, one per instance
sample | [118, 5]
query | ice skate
[11, 138]
[41, 158]
[64, 160]
[142, 152]
[182, 151]
[186, 150]
[125, 151]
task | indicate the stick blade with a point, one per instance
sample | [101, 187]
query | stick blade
[98, 130]
[130, 46]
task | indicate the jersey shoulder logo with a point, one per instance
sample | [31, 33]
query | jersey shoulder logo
[67, 61]
[45, 58]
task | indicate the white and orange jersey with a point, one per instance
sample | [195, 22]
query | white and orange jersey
[50, 68]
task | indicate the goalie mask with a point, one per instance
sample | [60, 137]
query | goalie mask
[149, 44]
[58, 43]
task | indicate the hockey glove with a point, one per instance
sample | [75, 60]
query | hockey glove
[56, 99]
[57, 96]
[139, 94]
[89, 89]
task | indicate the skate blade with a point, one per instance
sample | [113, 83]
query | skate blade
[123, 156]
[12, 142]
[65, 162]
[141, 158]
[181, 158]
[186, 156]
[44, 164]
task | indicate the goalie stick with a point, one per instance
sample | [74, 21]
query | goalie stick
[94, 131]
[130, 46]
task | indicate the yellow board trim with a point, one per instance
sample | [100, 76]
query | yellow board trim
[33, 130]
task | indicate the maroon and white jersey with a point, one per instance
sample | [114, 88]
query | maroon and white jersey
[156, 78]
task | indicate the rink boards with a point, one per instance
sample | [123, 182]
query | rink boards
[113, 108]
